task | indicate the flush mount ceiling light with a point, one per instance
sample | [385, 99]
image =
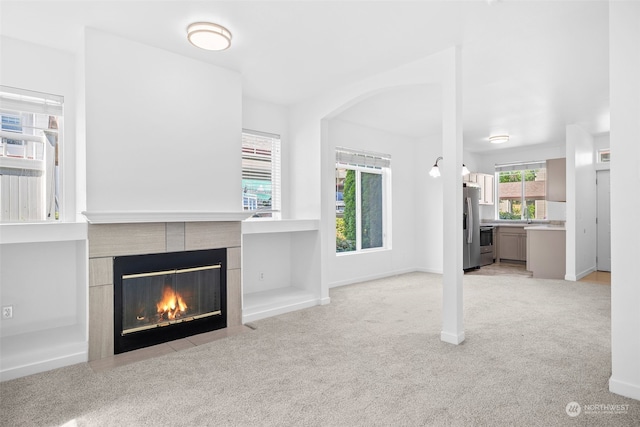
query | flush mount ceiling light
[498, 139]
[209, 36]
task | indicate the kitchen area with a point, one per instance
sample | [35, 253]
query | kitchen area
[526, 238]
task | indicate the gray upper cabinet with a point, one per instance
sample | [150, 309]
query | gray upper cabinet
[557, 180]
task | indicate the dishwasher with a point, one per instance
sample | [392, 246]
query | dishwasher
[486, 244]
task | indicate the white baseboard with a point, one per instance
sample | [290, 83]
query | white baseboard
[360, 279]
[572, 278]
[270, 312]
[429, 270]
[624, 389]
[42, 366]
[452, 338]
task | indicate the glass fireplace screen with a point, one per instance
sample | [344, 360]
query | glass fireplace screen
[162, 298]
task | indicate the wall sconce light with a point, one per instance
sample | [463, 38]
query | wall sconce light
[209, 36]
[498, 139]
[435, 170]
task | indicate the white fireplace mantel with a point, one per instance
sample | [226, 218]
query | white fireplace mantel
[95, 217]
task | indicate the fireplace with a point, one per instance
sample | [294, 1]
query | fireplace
[165, 296]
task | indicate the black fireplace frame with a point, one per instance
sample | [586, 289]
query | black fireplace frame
[135, 264]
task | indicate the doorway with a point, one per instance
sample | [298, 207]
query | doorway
[603, 195]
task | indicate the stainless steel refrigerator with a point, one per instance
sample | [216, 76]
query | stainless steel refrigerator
[471, 227]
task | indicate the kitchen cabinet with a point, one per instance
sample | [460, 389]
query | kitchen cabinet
[512, 243]
[557, 180]
[495, 243]
[486, 184]
[547, 256]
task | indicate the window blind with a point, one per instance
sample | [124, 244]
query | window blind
[368, 159]
[14, 99]
[261, 168]
[521, 166]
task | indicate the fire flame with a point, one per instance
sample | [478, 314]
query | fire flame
[172, 305]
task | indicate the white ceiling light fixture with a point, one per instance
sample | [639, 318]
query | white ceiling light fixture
[209, 36]
[498, 139]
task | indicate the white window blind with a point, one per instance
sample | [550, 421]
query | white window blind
[368, 159]
[521, 166]
[261, 171]
[15, 99]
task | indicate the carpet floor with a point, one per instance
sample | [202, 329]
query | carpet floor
[373, 357]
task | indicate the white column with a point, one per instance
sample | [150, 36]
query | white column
[624, 88]
[451, 166]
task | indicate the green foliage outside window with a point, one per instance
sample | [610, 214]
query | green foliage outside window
[516, 176]
[346, 227]
[371, 210]
[371, 215]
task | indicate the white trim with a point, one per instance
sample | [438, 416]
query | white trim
[44, 365]
[261, 226]
[452, 338]
[572, 278]
[360, 279]
[624, 389]
[42, 232]
[270, 312]
[138, 217]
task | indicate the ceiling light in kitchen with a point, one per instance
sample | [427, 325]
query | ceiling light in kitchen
[209, 36]
[498, 139]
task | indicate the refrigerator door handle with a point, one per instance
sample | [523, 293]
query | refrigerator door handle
[469, 222]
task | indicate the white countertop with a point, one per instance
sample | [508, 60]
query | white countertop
[546, 228]
[504, 224]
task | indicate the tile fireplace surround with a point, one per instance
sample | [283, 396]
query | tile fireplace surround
[107, 240]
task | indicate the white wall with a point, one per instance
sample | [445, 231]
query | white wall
[40, 281]
[45, 280]
[624, 69]
[581, 204]
[29, 66]
[408, 200]
[429, 212]
[267, 117]
[601, 141]
[163, 130]
[313, 160]
[259, 270]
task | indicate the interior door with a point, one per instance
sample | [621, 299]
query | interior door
[604, 221]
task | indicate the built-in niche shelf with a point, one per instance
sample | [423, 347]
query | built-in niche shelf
[42, 350]
[44, 279]
[281, 267]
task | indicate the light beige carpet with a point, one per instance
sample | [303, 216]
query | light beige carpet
[371, 357]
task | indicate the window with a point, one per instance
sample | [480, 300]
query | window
[30, 135]
[604, 155]
[261, 173]
[361, 193]
[522, 191]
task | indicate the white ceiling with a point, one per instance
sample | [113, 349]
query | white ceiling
[529, 67]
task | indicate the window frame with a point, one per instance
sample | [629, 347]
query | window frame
[601, 153]
[521, 167]
[385, 173]
[33, 113]
[275, 182]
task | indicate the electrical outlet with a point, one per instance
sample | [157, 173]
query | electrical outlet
[261, 276]
[7, 312]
